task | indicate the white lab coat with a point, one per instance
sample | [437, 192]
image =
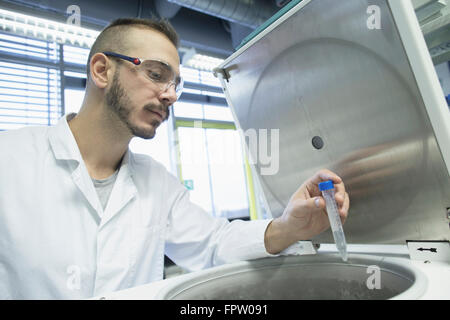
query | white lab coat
[56, 242]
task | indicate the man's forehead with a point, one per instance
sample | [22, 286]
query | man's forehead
[147, 43]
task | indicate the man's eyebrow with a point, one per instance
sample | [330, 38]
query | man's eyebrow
[167, 64]
[178, 77]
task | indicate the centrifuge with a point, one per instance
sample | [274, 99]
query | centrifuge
[348, 86]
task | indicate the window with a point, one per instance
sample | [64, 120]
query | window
[212, 163]
[227, 170]
[157, 148]
[76, 55]
[73, 99]
[194, 166]
[74, 59]
[29, 82]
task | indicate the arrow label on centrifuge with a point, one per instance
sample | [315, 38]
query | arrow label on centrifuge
[431, 249]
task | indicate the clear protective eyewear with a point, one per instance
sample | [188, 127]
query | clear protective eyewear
[157, 71]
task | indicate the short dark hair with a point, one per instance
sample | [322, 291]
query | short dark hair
[113, 37]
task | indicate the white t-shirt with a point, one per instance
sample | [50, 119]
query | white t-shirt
[104, 188]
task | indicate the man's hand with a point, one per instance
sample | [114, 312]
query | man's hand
[305, 215]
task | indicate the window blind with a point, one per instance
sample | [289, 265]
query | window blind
[29, 82]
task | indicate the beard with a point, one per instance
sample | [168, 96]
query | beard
[120, 105]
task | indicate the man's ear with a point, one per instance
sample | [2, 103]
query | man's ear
[100, 67]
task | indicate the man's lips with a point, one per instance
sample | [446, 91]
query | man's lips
[161, 114]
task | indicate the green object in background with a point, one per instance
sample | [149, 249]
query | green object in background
[211, 124]
[189, 184]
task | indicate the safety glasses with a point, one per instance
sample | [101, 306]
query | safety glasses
[157, 71]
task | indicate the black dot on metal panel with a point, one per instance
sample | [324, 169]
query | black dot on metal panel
[317, 142]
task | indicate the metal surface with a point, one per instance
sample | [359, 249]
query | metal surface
[324, 73]
[306, 277]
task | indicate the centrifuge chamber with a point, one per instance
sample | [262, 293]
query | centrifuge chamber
[322, 276]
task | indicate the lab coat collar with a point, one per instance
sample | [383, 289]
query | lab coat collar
[65, 147]
[63, 142]
[123, 192]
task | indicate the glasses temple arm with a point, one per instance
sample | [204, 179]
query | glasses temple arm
[121, 56]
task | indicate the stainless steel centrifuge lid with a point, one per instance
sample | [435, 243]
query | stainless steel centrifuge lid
[346, 95]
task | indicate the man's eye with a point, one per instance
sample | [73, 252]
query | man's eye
[154, 75]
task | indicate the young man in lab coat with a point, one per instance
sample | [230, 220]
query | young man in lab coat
[81, 216]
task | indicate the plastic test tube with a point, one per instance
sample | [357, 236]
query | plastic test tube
[327, 189]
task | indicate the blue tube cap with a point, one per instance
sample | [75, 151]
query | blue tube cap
[326, 185]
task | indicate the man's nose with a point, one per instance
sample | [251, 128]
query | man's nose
[169, 95]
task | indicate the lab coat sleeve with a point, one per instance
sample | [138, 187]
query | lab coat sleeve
[195, 240]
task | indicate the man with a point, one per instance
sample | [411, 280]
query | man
[80, 215]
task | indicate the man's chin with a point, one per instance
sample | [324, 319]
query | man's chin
[145, 133]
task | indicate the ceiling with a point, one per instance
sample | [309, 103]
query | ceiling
[207, 33]
[216, 27]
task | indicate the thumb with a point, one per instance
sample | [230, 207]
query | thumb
[317, 202]
[313, 203]
[301, 207]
